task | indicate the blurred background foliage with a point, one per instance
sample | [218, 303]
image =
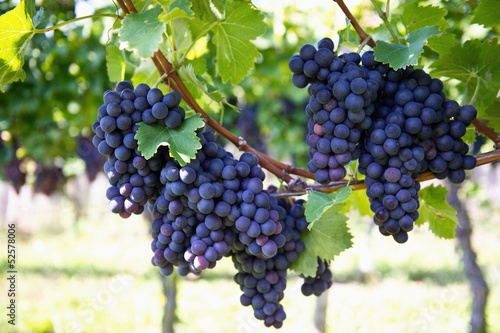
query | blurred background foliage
[44, 141]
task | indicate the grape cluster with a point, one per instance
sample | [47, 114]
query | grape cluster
[263, 280]
[133, 179]
[397, 122]
[319, 283]
[341, 103]
[212, 207]
[207, 204]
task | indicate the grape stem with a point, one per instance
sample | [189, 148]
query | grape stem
[57, 26]
[172, 79]
[384, 18]
[478, 124]
[362, 34]
[296, 187]
[482, 159]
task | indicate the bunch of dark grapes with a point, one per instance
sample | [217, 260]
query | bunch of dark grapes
[263, 280]
[319, 283]
[397, 122]
[414, 130]
[340, 106]
[133, 179]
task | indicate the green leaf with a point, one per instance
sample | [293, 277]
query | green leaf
[187, 74]
[16, 30]
[175, 9]
[115, 64]
[183, 142]
[348, 37]
[470, 135]
[145, 73]
[442, 44]
[476, 65]
[488, 13]
[329, 237]
[437, 211]
[415, 17]
[235, 53]
[492, 115]
[317, 203]
[39, 17]
[203, 10]
[400, 56]
[143, 32]
[358, 201]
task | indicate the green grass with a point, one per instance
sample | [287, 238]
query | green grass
[96, 276]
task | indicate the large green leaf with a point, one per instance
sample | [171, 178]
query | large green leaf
[183, 142]
[400, 56]
[115, 64]
[329, 237]
[435, 210]
[488, 13]
[415, 17]
[143, 32]
[235, 53]
[442, 44]
[358, 201]
[317, 203]
[476, 65]
[16, 30]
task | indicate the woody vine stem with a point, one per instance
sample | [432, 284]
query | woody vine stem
[295, 186]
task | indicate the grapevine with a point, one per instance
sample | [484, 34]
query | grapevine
[376, 121]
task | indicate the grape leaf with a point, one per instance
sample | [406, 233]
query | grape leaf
[470, 135]
[492, 114]
[400, 56]
[39, 17]
[442, 44]
[16, 30]
[358, 201]
[487, 13]
[175, 9]
[203, 10]
[329, 237]
[317, 203]
[145, 73]
[187, 74]
[476, 65]
[143, 32]
[182, 141]
[348, 37]
[115, 63]
[437, 211]
[415, 17]
[235, 53]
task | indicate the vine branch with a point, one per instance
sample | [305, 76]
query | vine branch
[296, 187]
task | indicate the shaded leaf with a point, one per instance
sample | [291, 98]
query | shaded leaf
[492, 115]
[115, 64]
[435, 210]
[487, 13]
[183, 142]
[415, 17]
[476, 65]
[442, 44]
[145, 73]
[187, 74]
